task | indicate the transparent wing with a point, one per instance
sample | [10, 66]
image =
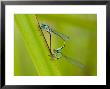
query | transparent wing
[74, 62]
[64, 37]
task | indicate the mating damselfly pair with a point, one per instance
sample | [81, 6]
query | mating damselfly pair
[57, 52]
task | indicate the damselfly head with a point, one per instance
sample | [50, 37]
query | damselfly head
[44, 26]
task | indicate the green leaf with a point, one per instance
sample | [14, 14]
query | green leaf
[31, 55]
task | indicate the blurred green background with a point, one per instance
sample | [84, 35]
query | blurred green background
[31, 55]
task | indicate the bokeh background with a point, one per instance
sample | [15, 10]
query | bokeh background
[31, 55]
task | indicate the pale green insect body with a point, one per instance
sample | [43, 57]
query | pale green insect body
[58, 51]
[58, 54]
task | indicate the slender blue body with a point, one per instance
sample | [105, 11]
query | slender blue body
[50, 30]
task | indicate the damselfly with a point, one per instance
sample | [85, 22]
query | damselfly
[50, 30]
[58, 54]
[47, 28]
